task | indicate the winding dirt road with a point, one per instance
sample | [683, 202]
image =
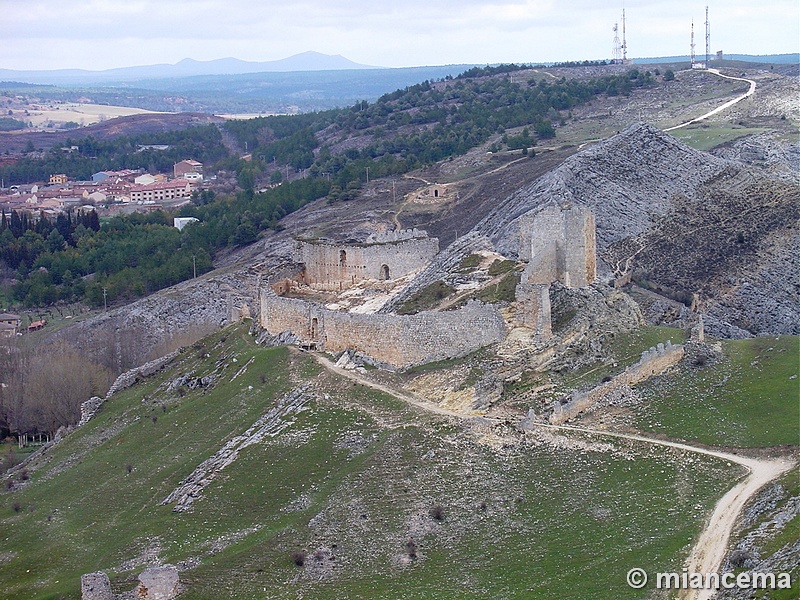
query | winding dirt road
[712, 545]
[728, 104]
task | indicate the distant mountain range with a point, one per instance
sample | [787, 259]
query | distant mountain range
[306, 61]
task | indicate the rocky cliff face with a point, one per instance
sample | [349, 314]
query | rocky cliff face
[131, 335]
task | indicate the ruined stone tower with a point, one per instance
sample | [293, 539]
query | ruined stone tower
[340, 266]
[563, 248]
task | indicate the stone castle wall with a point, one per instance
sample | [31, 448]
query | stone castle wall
[336, 267]
[653, 362]
[533, 308]
[400, 341]
[562, 247]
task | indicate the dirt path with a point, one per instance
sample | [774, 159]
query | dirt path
[728, 104]
[712, 545]
[405, 397]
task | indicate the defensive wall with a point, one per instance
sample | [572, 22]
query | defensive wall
[398, 341]
[652, 362]
[338, 266]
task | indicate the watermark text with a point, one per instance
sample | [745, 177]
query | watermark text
[685, 580]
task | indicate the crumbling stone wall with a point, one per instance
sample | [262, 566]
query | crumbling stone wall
[398, 341]
[339, 266]
[653, 362]
[124, 381]
[533, 308]
[563, 247]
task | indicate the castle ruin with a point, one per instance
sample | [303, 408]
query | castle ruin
[653, 362]
[562, 248]
[383, 257]
[396, 341]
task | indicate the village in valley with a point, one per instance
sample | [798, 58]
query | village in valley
[110, 193]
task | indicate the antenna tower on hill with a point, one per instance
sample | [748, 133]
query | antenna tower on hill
[617, 46]
[624, 42]
[708, 38]
[692, 45]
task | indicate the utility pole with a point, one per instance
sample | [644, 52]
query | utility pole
[105, 299]
[194, 265]
[367, 174]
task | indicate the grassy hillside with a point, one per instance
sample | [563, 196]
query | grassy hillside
[748, 397]
[376, 499]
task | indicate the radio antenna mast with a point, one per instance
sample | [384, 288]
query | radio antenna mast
[708, 38]
[624, 42]
[617, 46]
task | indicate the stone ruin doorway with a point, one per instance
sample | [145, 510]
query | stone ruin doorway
[342, 258]
[385, 273]
[314, 328]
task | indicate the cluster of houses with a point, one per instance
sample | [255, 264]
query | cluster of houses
[109, 192]
[11, 325]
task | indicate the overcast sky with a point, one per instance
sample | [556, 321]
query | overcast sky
[102, 34]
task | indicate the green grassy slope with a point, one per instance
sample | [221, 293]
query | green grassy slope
[749, 398]
[350, 483]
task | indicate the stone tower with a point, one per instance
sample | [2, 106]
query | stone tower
[564, 249]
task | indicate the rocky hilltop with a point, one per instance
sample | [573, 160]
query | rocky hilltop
[626, 179]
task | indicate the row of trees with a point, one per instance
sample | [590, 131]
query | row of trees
[74, 259]
[43, 388]
[418, 125]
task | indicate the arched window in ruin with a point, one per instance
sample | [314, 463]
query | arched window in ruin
[342, 258]
[435, 193]
[314, 328]
[385, 272]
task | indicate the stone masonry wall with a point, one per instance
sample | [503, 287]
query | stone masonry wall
[533, 308]
[562, 247]
[400, 341]
[653, 361]
[334, 266]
